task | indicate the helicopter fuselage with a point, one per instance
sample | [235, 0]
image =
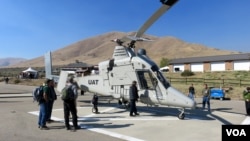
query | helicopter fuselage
[116, 75]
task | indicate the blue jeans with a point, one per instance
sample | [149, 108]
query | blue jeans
[191, 96]
[42, 114]
[206, 100]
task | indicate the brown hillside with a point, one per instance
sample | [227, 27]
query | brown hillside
[99, 48]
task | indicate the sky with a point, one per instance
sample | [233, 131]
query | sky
[30, 28]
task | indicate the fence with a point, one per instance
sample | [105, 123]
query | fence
[220, 82]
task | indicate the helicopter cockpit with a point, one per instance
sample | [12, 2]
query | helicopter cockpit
[149, 81]
[161, 78]
[154, 68]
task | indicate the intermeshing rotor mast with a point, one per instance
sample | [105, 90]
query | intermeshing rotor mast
[166, 5]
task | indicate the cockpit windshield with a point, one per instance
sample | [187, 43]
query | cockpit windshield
[162, 79]
[159, 75]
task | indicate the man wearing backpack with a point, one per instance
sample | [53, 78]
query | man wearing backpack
[43, 104]
[69, 104]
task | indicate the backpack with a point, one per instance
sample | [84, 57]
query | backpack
[37, 94]
[67, 93]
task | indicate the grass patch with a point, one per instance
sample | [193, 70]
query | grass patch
[233, 82]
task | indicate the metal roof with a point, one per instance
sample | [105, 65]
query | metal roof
[230, 57]
[78, 65]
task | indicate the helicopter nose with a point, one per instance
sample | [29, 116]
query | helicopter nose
[179, 99]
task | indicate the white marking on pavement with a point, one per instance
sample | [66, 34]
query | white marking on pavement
[117, 135]
[113, 134]
[246, 121]
[52, 117]
[138, 118]
[103, 111]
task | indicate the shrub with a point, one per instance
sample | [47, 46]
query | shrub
[187, 73]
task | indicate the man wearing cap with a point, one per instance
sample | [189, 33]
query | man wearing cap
[70, 107]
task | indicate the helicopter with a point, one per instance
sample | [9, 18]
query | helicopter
[115, 75]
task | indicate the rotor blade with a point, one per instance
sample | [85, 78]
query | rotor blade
[132, 38]
[166, 6]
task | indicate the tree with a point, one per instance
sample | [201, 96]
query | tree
[164, 62]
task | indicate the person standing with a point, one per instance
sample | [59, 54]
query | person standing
[43, 104]
[133, 95]
[7, 80]
[70, 107]
[191, 92]
[206, 97]
[95, 103]
[246, 96]
[51, 98]
[76, 92]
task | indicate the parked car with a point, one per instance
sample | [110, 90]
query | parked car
[217, 93]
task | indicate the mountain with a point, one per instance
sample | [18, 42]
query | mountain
[99, 48]
[10, 61]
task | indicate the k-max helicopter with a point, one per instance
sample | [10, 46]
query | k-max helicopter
[116, 75]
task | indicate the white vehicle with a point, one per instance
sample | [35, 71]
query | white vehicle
[116, 75]
[164, 69]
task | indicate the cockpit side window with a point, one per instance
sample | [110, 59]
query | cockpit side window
[145, 80]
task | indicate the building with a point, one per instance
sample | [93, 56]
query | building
[79, 68]
[232, 62]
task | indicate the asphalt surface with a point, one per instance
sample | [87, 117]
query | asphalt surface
[19, 120]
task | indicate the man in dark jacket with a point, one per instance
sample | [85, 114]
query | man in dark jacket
[69, 106]
[133, 95]
[51, 97]
[191, 91]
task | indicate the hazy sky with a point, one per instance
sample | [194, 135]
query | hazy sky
[30, 28]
